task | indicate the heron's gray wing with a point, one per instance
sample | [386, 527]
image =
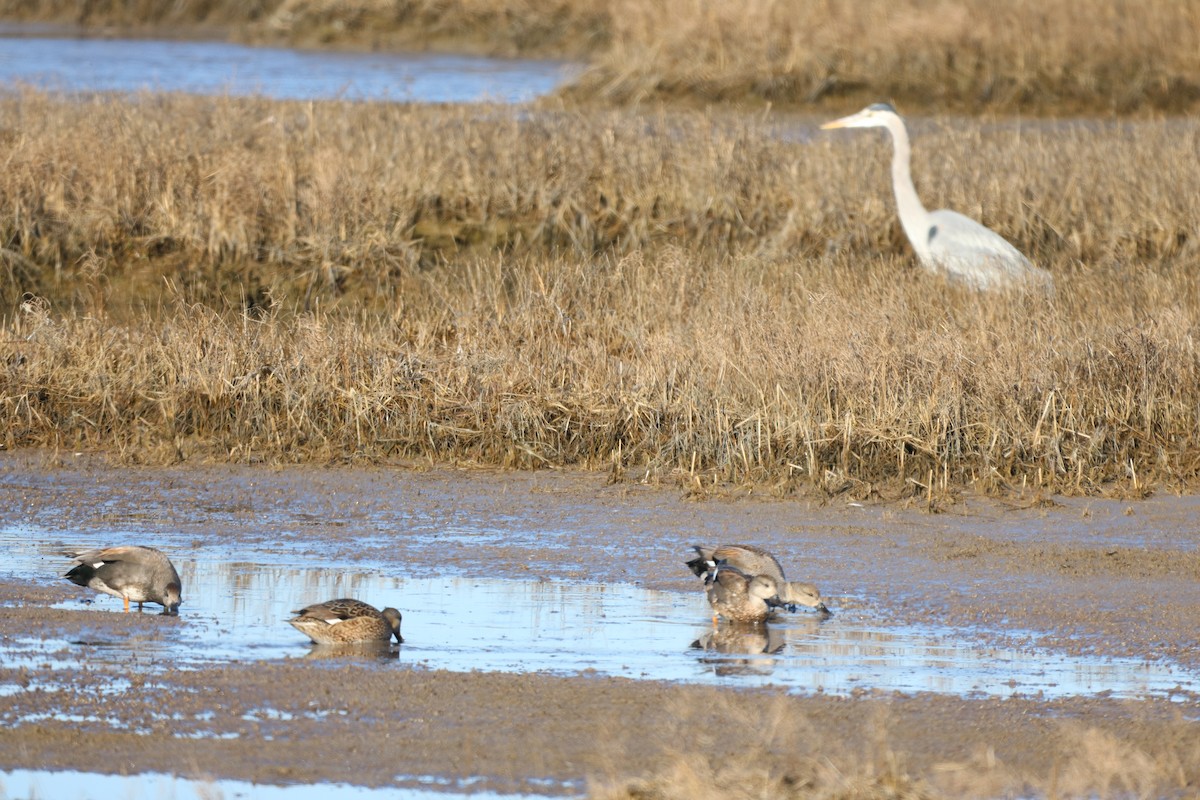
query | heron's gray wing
[978, 255]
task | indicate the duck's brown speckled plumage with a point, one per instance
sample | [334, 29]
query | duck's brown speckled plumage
[347, 621]
[739, 597]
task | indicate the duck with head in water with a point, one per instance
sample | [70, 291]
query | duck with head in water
[347, 621]
[134, 573]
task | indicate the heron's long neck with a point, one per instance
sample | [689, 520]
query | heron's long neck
[913, 215]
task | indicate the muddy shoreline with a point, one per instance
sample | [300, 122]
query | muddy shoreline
[1077, 576]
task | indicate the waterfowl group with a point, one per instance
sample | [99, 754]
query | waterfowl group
[756, 561]
[142, 575]
[745, 583]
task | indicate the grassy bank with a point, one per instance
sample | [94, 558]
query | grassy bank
[1093, 56]
[677, 296]
[847, 380]
[229, 202]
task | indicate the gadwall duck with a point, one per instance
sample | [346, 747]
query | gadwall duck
[347, 621]
[739, 597]
[756, 561]
[133, 573]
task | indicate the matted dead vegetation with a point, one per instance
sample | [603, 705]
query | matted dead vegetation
[344, 201]
[1051, 58]
[679, 295]
[778, 754]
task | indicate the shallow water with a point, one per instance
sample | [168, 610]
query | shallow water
[236, 610]
[220, 68]
[26, 784]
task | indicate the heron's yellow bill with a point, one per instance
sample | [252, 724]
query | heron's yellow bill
[844, 122]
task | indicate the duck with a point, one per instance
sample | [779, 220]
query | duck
[347, 621]
[134, 573]
[756, 561]
[740, 597]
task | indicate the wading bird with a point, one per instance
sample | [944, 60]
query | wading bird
[756, 561]
[946, 241]
[133, 573]
[347, 621]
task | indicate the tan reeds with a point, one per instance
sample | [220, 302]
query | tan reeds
[345, 200]
[676, 295]
[1036, 56]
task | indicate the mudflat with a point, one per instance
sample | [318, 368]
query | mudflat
[1075, 576]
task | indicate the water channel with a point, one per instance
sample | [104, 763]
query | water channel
[74, 64]
[41, 785]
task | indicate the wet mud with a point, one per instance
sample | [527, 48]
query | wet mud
[1102, 578]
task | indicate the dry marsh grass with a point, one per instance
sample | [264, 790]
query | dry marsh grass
[329, 200]
[675, 296]
[780, 752]
[1057, 57]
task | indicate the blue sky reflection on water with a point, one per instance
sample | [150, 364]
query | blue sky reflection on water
[221, 68]
[29, 784]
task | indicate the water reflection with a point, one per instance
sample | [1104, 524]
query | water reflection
[739, 649]
[236, 610]
[365, 651]
[220, 68]
[743, 649]
[25, 783]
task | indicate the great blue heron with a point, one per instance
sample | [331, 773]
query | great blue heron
[945, 241]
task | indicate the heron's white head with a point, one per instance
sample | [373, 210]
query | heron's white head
[878, 115]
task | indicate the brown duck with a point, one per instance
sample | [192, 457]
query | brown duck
[739, 597]
[347, 621]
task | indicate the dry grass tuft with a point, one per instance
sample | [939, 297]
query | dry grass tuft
[676, 296]
[751, 755]
[1101, 765]
[736, 750]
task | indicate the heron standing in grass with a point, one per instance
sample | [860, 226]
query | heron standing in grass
[945, 241]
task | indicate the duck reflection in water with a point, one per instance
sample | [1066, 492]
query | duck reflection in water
[361, 651]
[738, 648]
